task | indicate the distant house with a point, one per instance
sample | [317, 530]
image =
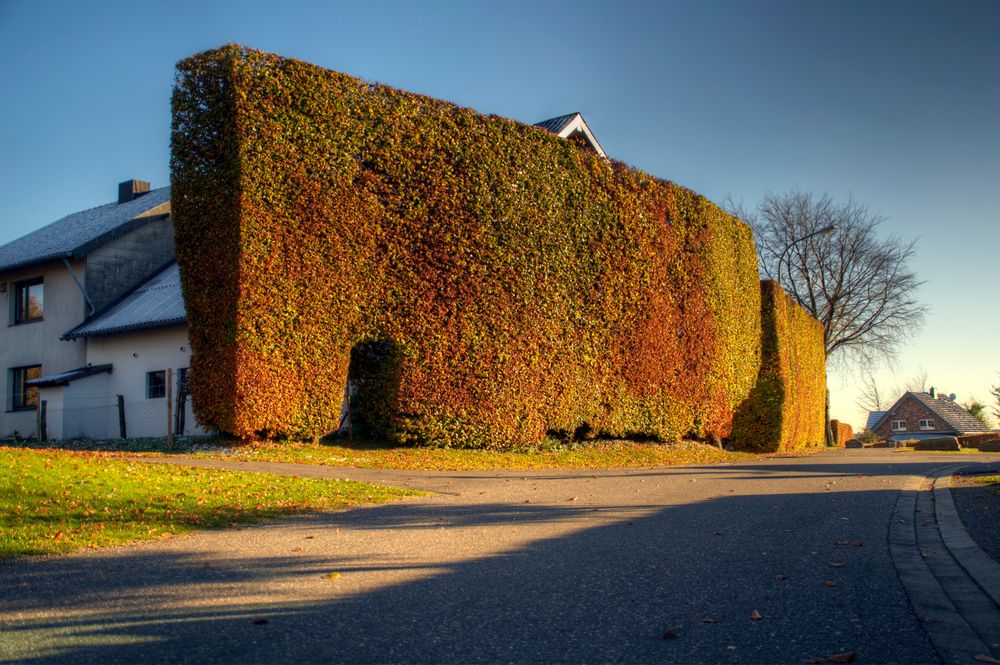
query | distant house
[918, 415]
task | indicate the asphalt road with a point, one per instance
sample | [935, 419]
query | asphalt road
[550, 566]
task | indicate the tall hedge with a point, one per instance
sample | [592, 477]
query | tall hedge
[520, 285]
[786, 409]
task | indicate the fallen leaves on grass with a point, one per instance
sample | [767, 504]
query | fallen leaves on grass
[836, 564]
[755, 616]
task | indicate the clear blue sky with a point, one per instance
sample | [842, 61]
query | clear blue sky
[895, 103]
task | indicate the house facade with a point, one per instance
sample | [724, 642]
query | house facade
[920, 415]
[67, 274]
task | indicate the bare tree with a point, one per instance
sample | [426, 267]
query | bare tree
[995, 392]
[918, 382]
[870, 396]
[858, 285]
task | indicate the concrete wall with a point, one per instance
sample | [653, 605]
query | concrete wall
[119, 266]
[38, 342]
[133, 355]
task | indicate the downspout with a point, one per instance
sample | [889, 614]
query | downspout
[90, 304]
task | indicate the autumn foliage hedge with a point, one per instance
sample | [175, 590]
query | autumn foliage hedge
[517, 284]
[786, 409]
[842, 432]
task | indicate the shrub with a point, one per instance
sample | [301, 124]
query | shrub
[938, 443]
[868, 436]
[786, 409]
[974, 440]
[989, 446]
[525, 284]
[854, 443]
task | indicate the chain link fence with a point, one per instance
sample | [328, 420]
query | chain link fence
[103, 417]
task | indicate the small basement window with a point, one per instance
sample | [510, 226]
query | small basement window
[926, 424]
[898, 425]
[29, 301]
[22, 396]
[156, 384]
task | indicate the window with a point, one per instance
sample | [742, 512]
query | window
[898, 425]
[926, 424]
[22, 396]
[156, 384]
[29, 300]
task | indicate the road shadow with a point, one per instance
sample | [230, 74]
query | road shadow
[604, 590]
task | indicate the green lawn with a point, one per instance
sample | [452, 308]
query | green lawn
[593, 455]
[56, 501]
[375, 455]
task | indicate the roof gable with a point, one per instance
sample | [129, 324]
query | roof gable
[572, 125]
[79, 233]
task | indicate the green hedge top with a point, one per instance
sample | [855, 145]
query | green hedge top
[517, 284]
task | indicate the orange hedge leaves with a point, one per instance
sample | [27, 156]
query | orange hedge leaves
[786, 410]
[842, 432]
[521, 285]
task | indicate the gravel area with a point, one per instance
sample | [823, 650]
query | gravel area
[979, 508]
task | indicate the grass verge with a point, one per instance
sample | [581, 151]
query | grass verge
[54, 502]
[375, 455]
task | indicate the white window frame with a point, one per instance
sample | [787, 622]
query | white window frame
[898, 425]
[926, 424]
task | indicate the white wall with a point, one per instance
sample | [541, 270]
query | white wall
[132, 355]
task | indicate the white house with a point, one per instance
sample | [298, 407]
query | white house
[68, 287]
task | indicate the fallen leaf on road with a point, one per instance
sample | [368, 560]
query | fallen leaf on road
[830, 583]
[332, 576]
[780, 577]
[670, 634]
[755, 616]
[709, 620]
[842, 542]
[573, 498]
[835, 564]
[983, 658]
[259, 622]
[858, 543]
[846, 657]
[928, 620]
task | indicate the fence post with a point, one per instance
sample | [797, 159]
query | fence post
[170, 407]
[121, 417]
[43, 433]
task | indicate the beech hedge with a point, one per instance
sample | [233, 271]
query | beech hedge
[509, 285]
[786, 410]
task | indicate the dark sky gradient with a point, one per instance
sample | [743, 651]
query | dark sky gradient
[895, 103]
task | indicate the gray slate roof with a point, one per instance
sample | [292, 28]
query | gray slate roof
[954, 415]
[873, 418]
[951, 414]
[77, 234]
[556, 125]
[154, 303]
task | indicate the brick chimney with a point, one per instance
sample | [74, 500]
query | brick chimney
[131, 189]
[933, 393]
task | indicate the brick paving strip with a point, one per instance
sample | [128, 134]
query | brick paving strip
[953, 585]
